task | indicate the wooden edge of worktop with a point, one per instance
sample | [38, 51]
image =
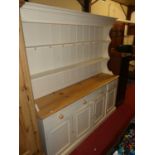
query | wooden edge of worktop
[58, 100]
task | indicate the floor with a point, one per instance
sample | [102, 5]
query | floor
[109, 132]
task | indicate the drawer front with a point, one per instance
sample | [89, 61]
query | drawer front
[92, 95]
[57, 118]
[103, 89]
[95, 94]
[112, 85]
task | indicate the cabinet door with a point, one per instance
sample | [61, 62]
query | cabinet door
[111, 97]
[82, 120]
[99, 108]
[59, 137]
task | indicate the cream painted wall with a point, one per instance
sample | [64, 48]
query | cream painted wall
[69, 4]
[109, 8]
[133, 16]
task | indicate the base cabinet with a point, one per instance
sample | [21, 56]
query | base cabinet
[62, 130]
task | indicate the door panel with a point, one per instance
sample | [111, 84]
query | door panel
[99, 108]
[111, 96]
[82, 120]
[59, 138]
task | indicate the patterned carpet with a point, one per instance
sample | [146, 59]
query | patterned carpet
[127, 143]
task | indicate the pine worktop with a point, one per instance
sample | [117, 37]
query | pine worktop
[58, 100]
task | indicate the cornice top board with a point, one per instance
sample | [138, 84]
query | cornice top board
[33, 12]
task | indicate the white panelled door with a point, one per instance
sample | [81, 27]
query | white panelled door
[82, 120]
[99, 108]
[59, 137]
[111, 97]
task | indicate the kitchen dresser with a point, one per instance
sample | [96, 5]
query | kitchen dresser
[67, 54]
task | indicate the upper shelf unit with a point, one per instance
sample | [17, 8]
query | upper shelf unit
[63, 46]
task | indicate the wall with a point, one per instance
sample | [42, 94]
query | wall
[133, 17]
[69, 4]
[109, 8]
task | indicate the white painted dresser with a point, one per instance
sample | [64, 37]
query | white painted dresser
[73, 89]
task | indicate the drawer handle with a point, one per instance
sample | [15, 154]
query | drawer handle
[61, 116]
[85, 102]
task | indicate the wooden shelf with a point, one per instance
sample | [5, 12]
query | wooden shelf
[68, 43]
[56, 101]
[81, 64]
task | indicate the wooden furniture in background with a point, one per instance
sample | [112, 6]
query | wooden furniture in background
[121, 52]
[117, 37]
[29, 142]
